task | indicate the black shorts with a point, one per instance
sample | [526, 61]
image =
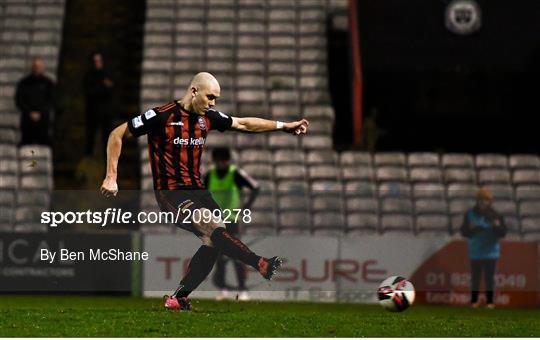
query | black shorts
[192, 199]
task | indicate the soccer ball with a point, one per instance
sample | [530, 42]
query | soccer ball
[396, 294]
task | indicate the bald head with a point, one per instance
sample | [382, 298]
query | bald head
[202, 93]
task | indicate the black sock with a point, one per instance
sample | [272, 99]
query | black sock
[200, 266]
[234, 248]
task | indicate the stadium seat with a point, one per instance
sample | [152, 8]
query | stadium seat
[457, 160]
[459, 206]
[389, 159]
[316, 142]
[428, 190]
[431, 175]
[37, 166]
[251, 141]
[423, 160]
[530, 227]
[264, 202]
[361, 223]
[328, 223]
[264, 171]
[362, 204]
[262, 223]
[292, 187]
[505, 207]
[528, 176]
[356, 173]
[529, 209]
[295, 221]
[461, 190]
[28, 214]
[319, 172]
[8, 136]
[360, 189]
[292, 202]
[396, 205]
[30, 228]
[502, 191]
[430, 206]
[524, 162]
[282, 141]
[459, 175]
[491, 161]
[528, 192]
[8, 151]
[355, 158]
[391, 174]
[7, 198]
[433, 223]
[9, 167]
[394, 190]
[327, 203]
[328, 157]
[399, 223]
[255, 156]
[288, 157]
[288, 171]
[326, 187]
[8, 182]
[489, 176]
[7, 217]
[513, 226]
[33, 198]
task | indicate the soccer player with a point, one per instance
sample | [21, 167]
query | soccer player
[176, 135]
[225, 182]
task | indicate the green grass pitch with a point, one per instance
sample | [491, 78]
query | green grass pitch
[88, 316]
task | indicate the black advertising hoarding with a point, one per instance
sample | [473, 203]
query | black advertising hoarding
[82, 262]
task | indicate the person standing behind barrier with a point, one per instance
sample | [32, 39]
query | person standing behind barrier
[483, 227]
[225, 181]
[34, 97]
[98, 93]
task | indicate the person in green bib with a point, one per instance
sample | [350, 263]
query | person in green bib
[225, 182]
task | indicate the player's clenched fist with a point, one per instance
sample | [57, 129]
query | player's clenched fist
[109, 187]
[299, 127]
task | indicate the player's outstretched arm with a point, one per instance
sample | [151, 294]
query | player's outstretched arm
[253, 124]
[114, 148]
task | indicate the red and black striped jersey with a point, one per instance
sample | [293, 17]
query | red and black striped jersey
[176, 139]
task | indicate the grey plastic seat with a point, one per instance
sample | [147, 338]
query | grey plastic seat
[325, 187]
[457, 160]
[396, 205]
[391, 174]
[328, 157]
[9, 167]
[259, 170]
[528, 192]
[34, 198]
[295, 220]
[459, 175]
[364, 173]
[423, 160]
[313, 142]
[502, 191]
[355, 158]
[264, 202]
[428, 190]
[461, 190]
[292, 187]
[524, 161]
[262, 223]
[528, 176]
[400, 223]
[8, 151]
[8, 136]
[435, 223]
[328, 221]
[497, 161]
[360, 189]
[327, 203]
[394, 190]
[529, 209]
[251, 141]
[323, 172]
[38, 166]
[7, 198]
[393, 159]
[513, 225]
[488, 176]
[460, 206]
[7, 216]
[289, 171]
[282, 141]
[505, 207]
[8, 182]
[430, 175]
[30, 228]
[362, 204]
[362, 223]
[430, 206]
[28, 214]
[255, 156]
[35, 152]
[530, 226]
[288, 156]
[292, 202]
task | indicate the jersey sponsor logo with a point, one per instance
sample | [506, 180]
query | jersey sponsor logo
[137, 122]
[149, 114]
[202, 123]
[177, 123]
[189, 141]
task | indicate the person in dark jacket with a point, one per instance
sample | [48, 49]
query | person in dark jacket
[483, 227]
[34, 97]
[98, 93]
